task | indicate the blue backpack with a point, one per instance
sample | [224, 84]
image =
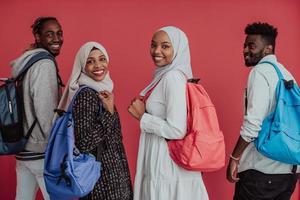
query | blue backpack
[279, 138]
[68, 173]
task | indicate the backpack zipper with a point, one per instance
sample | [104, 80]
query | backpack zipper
[9, 104]
[10, 107]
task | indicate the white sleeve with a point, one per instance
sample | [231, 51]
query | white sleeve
[258, 96]
[174, 126]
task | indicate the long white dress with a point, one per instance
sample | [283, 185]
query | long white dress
[157, 176]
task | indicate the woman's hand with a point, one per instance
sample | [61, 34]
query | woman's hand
[107, 99]
[137, 108]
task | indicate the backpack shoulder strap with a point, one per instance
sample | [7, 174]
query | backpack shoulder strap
[275, 67]
[70, 107]
[34, 59]
[148, 93]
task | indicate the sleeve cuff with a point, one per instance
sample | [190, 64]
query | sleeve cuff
[247, 138]
[146, 123]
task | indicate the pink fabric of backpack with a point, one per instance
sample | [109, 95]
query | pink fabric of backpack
[203, 147]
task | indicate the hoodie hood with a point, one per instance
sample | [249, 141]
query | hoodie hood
[19, 63]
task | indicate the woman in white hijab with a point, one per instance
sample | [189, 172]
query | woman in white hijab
[164, 117]
[98, 132]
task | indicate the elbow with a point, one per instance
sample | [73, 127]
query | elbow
[82, 148]
[250, 128]
[248, 135]
[247, 138]
[177, 134]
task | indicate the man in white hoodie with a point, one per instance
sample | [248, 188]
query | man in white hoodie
[41, 91]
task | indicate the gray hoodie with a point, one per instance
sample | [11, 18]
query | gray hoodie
[41, 93]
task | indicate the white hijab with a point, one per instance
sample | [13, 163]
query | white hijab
[78, 76]
[181, 58]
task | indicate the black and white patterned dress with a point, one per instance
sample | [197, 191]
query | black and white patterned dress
[100, 134]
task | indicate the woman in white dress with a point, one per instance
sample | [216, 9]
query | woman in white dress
[163, 117]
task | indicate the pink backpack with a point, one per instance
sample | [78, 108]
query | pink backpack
[203, 147]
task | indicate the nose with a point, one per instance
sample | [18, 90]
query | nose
[245, 50]
[157, 50]
[98, 64]
[56, 37]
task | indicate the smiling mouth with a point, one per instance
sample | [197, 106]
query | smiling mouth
[55, 46]
[247, 56]
[157, 58]
[99, 72]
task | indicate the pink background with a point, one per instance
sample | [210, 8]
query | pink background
[215, 32]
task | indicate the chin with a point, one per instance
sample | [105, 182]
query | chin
[160, 64]
[55, 53]
[99, 78]
[249, 64]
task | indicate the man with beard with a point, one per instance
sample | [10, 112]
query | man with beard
[40, 87]
[256, 176]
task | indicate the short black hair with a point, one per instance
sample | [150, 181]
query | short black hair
[39, 23]
[267, 31]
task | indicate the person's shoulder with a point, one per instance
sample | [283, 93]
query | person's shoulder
[45, 63]
[265, 65]
[174, 79]
[263, 68]
[87, 95]
[261, 71]
[44, 66]
[174, 75]
[88, 92]
[264, 71]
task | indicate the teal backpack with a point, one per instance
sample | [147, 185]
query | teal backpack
[279, 138]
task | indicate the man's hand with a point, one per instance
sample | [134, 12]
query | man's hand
[232, 170]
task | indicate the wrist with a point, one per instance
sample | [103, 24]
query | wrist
[112, 111]
[140, 117]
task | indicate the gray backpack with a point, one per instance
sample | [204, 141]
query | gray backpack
[12, 137]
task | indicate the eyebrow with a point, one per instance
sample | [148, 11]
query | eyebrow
[51, 31]
[249, 43]
[99, 56]
[162, 42]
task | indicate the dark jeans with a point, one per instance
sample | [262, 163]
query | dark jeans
[255, 185]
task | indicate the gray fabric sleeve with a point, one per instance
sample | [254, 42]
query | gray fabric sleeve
[44, 93]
